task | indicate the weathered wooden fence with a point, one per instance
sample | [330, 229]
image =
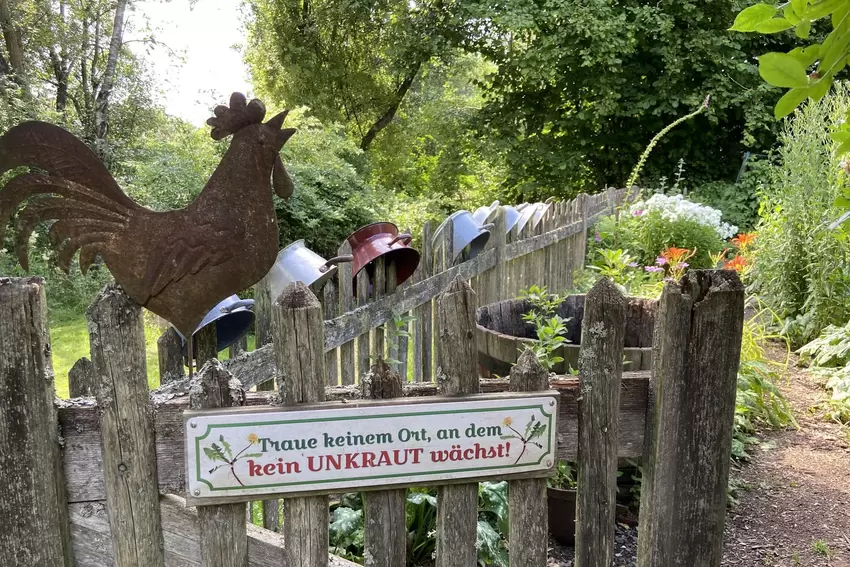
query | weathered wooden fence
[103, 488]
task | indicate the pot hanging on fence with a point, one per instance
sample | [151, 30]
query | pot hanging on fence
[382, 240]
[484, 214]
[297, 263]
[526, 212]
[232, 317]
[466, 233]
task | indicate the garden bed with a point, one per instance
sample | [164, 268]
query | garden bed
[503, 334]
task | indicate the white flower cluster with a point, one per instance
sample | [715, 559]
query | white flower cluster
[676, 207]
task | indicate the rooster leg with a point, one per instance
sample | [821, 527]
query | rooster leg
[66, 254]
[24, 186]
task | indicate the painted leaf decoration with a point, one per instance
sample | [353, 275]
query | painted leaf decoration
[748, 19]
[783, 70]
[214, 455]
[226, 446]
[252, 456]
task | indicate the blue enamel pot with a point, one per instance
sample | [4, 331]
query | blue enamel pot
[232, 317]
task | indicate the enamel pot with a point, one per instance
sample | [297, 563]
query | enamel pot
[297, 263]
[540, 211]
[526, 212]
[466, 232]
[484, 214]
[382, 240]
[232, 317]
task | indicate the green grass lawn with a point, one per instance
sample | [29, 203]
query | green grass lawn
[69, 339]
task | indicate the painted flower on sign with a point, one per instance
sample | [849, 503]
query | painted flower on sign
[533, 430]
[221, 452]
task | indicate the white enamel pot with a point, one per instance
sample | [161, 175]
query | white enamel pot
[467, 234]
[297, 263]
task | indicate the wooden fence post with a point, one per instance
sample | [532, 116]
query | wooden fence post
[170, 353]
[299, 354]
[529, 536]
[117, 337]
[600, 372]
[457, 373]
[224, 536]
[696, 352]
[363, 341]
[495, 277]
[33, 509]
[385, 525]
[81, 379]
[347, 303]
[330, 305]
[423, 351]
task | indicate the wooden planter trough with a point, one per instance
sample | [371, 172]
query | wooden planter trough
[503, 335]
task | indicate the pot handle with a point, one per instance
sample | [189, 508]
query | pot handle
[404, 238]
[237, 305]
[334, 261]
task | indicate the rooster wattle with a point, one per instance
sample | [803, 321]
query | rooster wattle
[179, 264]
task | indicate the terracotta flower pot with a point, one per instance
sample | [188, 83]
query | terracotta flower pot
[382, 240]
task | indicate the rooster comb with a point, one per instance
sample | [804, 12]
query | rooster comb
[239, 114]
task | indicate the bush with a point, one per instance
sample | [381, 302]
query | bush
[650, 227]
[739, 201]
[802, 268]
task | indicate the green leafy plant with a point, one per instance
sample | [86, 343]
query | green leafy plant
[802, 269]
[821, 548]
[565, 477]
[617, 265]
[829, 355]
[549, 327]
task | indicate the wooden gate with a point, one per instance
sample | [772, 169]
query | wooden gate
[101, 481]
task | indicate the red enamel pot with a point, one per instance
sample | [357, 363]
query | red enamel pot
[382, 240]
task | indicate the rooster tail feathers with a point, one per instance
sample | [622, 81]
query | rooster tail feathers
[83, 216]
[58, 152]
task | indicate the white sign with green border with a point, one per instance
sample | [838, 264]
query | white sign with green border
[241, 454]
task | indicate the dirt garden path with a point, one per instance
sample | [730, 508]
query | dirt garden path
[794, 507]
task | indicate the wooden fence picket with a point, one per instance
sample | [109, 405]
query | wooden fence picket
[34, 512]
[457, 373]
[117, 336]
[346, 303]
[600, 373]
[298, 346]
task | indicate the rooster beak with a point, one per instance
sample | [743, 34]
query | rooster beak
[277, 121]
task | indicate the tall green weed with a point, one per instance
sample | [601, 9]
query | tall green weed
[803, 267]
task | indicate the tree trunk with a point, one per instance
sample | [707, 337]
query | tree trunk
[101, 116]
[388, 116]
[15, 64]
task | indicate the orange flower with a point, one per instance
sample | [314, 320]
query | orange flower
[507, 422]
[738, 263]
[743, 240]
[253, 438]
[677, 255]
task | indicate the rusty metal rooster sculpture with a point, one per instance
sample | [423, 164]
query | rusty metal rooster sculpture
[178, 264]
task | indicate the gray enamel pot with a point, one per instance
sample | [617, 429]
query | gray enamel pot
[484, 214]
[232, 317]
[526, 212]
[467, 233]
[297, 263]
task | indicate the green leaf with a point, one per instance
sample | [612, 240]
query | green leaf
[819, 89]
[806, 55]
[820, 9]
[251, 456]
[749, 18]
[803, 29]
[789, 102]
[843, 148]
[799, 6]
[775, 25]
[791, 16]
[226, 446]
[782, 70]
